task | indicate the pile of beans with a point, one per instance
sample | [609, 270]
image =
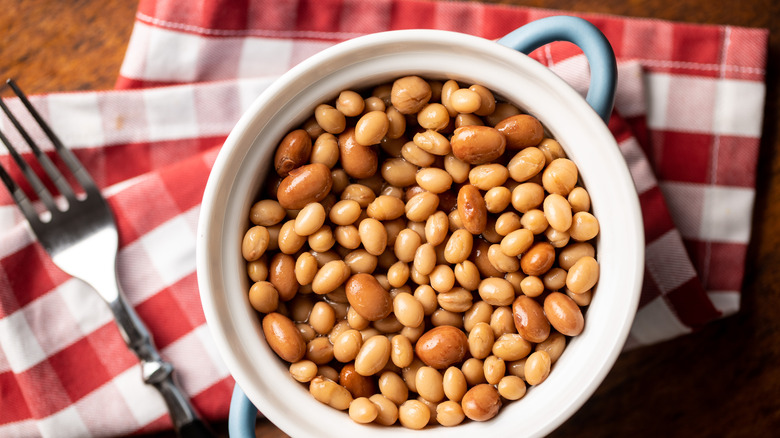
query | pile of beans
[421, 253]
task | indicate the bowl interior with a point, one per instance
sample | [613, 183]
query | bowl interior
[248, 152]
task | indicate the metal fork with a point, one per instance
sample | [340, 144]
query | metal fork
[82, 240]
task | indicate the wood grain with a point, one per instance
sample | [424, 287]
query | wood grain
[721, 381]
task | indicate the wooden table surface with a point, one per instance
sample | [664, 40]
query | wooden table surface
[722, 381]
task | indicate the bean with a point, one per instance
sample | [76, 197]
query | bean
[350, 103]
[362, 410]
[474, 371]
[266, 213]
[310, 219]
[433, 116]
[466, 101]
[537, 367]
[464, 119]
[357, 160]
[347, 236]
[582, 299]
[507, 222]
[442, 346]
[319, 350]
[579, 199]
[481, 340]
[496, 291]
[398, 274]
[432, 142]
[408, 310]
[283, 337]
[479, 312]
[417, 156]
[312, 128]
[346, 345]
[371, 128]
[529, 319]
[303, 370]
[501, 112]
[560, 176]
[502, 321]
[459, 170]
[497, 199]
[515, 278]
[449, 413]
[583, 275]
[406, 245]
[442, 317]
[396, 124]
[328, 372]
[521, 131]
[340, 180]
[535, 221]
[282, 276]
[553, 345]
[258, 269]
[477, 144]
[368, 297]
[255, 243]
[325, 150]
[517, 242]
[538, 259]
[358, 385]
[385, 208]
[487, 176]
[322, 317]
[427, 297]
[263, 297]
[479, 256]
[392, 386]
[436, 228]
[425, 259]
[330, 119]
[481, 403]
[330, 276]
[373, 355]
[555, 279]
[387, 411]
[374, 103]
[558, 239]
[511, 387]
[487, 101]
[584, 226]
[557, 211]
[307, 333]
[402, 351]
[413, 414]
[421, 206]
[410, 94]
[526, 164]
[373, 236]
[527, 196]
[434, 180]
[569, 255]
[471, 209]
[458, 246]
[330, 393]
[447, 89]
[303, 185]
[551, 150]
[455, 300]
[428, 382]
[511, 347]
[442, 278]
[494, 369]
[398, 172]
[322, 240]
[467, 274]
[293, 151]
[501, 261]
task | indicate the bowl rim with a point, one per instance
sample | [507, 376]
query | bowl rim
[242, 139]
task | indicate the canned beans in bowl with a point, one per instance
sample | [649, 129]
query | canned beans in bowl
[436, 251]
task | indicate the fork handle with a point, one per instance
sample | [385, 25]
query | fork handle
[155, 370]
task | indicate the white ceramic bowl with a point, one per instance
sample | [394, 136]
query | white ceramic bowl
[247, 155]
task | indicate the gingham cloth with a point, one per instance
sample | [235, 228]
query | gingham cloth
[688, 120]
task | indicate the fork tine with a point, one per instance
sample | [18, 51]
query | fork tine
[81, 174]
[32, 178]
[46, 163]
[21, 199]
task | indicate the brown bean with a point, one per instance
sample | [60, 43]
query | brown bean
[481, 403]
[471, 209]
[282, 275]
[283, 337]
[442, 346]
[521, 131]
[368, 297]
[564, 314]
[357, 384]
[359, 161]
[293, 151]
[477, 144]
[303, 185]
[479, 256]
[538, 259]
[530, 321]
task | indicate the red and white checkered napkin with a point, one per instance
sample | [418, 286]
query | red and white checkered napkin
[688, 120]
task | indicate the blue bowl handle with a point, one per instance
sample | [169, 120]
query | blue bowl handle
[243, 415]
[601, 58]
